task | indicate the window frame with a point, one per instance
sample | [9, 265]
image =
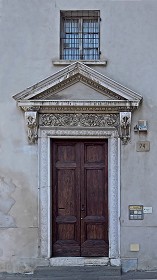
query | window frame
[80, 15]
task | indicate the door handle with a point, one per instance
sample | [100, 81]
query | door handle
[82, 208]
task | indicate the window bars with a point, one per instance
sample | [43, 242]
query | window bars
[80, 35]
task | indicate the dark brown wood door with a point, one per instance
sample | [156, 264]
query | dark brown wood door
[80, 197]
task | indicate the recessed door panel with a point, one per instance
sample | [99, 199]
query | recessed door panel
[80, 197]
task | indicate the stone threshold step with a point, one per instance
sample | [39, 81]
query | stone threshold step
[63, 278]
[70, 271]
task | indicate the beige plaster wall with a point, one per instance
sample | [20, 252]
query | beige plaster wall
[29, 31]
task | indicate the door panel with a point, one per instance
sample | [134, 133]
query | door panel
[66, 197]
[95, 219]
[80, 198]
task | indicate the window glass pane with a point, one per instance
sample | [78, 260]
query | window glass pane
[90, 40]
[66, 26]
[71, 41]
[71, 26]
[71, 54]
[90, 54]
[90, 26]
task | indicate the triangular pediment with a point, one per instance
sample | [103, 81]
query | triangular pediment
[76, 82]
[78, 91]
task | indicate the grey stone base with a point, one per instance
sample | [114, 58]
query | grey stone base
[129, 264]
[27, 265]
[90, 271]
[79, 261]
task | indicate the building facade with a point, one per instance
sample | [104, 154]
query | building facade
[78, 133]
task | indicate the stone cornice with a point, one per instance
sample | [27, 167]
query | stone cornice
[44, 106]
[74, 73]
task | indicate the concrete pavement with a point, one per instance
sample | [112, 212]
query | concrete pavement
[80, 273]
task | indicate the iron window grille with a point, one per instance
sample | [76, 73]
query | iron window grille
[80, 35]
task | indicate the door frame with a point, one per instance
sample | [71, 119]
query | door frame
[45, 227]
[79, 218]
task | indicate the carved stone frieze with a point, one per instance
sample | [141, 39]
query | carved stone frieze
[56, 109]
[31, 119]
[79, 120]
[82, 132]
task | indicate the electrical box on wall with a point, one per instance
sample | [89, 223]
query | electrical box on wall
[136, 212]
[142, 125]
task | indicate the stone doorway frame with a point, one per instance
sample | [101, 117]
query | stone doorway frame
[45, 135]
[48, 117]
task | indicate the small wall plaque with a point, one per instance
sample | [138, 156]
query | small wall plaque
[147, 210]
[143, 146]
[136, 212]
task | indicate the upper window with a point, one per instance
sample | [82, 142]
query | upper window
[80, 35]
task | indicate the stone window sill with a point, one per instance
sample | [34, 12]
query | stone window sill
[87, 62]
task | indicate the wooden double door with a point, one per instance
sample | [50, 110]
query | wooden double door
[79, 197]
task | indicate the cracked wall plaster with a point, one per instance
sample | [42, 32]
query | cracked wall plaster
[6, 203]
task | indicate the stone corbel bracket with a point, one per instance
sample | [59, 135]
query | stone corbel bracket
[125, 127]
[31, 120]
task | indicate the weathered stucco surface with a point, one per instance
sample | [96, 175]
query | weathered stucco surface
[6, 203]
[30, 32]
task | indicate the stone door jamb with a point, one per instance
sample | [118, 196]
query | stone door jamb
[45, 135]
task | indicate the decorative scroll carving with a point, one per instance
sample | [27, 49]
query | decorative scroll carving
[79, 120]
[31, 119]
[125, 127]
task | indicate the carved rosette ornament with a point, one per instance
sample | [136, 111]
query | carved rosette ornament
[31, 119]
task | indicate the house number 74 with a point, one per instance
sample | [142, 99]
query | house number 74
[142, 146]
